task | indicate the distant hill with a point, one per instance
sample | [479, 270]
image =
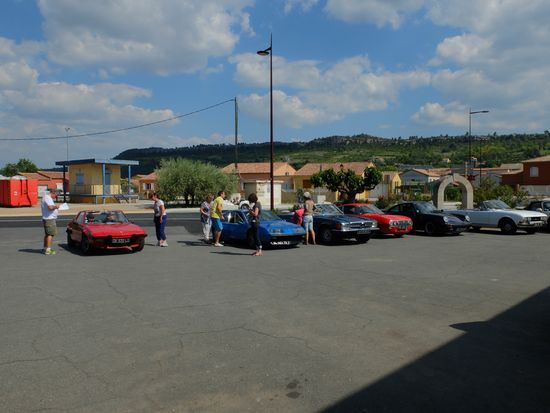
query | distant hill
[386, 153]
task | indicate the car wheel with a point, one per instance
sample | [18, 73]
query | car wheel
[363, 238]
[429, 228]
[326, 235]
[85, 245]
[139, 247]
[507, 226]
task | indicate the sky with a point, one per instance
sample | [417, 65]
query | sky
[388, 68]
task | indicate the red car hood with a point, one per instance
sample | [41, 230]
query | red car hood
[385, 218]
[103, 230]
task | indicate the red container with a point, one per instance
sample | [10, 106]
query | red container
[18, 192]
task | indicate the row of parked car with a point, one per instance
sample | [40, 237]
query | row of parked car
[111, 229]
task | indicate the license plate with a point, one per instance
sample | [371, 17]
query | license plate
[121, 240]
[280, 242]
[363, 231]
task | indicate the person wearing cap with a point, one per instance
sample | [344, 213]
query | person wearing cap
[49, 220]
[307, 220]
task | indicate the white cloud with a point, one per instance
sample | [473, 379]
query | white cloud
[305, 5]
[321, 96]
[432, 113]
[378, 12]
[164, 36]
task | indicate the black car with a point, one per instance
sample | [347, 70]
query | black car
[541, 206]
[330, 224]
[427, 218]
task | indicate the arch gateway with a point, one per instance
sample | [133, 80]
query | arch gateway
[465, 186]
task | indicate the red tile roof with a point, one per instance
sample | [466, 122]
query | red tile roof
[545, 158]
[259, 167]
[312, 168]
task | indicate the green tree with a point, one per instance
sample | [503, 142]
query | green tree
[191, 180]
[489, 189]
[347, 182]
[23, 165]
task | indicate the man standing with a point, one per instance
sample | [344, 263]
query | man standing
[49, 219]
[216, 213]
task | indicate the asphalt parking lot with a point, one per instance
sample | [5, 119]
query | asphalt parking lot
[418, 324]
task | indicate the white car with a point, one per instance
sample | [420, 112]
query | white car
[497, 214]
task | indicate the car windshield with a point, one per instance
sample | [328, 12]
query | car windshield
[496, 204]
[368, 209]
[425, 207]
[267, 215]
[327, 209]
[106, 217]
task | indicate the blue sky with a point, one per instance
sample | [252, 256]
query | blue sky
[340, 67]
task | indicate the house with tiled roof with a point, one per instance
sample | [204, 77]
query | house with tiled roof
[533, 178]
[256, 177]
[47, 180]
[422, 177]
[302, 177]
[146, 184]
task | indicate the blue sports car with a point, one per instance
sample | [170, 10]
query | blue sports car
[273, 230]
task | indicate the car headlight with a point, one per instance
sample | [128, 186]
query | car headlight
[524, 221]
[446, 220]
[393, 223]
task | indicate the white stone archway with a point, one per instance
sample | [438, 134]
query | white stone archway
[444, 182]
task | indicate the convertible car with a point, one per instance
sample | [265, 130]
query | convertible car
[541, 206]
[495, 213]
[105, 230]
[396, 225]
[273, 230]
[331, 224]
[427, 218]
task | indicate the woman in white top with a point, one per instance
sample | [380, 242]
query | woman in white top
[160, 219]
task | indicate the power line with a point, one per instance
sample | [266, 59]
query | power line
[82, 135]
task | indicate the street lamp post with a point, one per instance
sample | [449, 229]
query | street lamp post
[66, 166]
[470, 169]
[269, 51]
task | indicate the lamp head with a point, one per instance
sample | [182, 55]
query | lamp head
[265, 52]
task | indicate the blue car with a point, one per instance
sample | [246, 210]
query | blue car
[273, 230]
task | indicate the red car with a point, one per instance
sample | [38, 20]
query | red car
[104, 230]
[396, 225]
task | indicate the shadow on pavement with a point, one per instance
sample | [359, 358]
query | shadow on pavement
[499, 365]
[32, 250]
[230, 253]
[195, 243]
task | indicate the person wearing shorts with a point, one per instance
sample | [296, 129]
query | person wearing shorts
[307, 220]
[216, 215]
[49, 220]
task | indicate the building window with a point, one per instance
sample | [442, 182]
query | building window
[79, 178]
[534, 171]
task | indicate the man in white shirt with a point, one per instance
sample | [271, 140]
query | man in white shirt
[49, 219]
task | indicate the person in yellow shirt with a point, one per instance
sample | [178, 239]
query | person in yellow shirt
[216, 215]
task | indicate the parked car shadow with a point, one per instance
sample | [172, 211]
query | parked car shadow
[77, 251]
[499, 365]
[496, 231]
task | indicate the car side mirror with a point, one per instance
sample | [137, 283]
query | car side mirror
[539, 209]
